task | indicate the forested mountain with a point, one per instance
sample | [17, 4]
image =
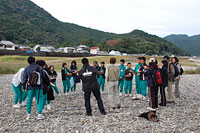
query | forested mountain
[189, 44]
[23, 22]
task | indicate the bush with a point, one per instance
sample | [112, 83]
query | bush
[197, 71]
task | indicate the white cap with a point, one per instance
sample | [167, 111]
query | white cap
[152, 60]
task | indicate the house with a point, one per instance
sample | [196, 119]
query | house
[59, 50]
[115, 53]
[24, 48]
[82, 49]
[7, 45]
[44, 48]
[94, 50]
[69, 50]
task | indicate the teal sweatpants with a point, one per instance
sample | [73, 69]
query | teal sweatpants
[128, 87]
[137, 84]
[55, 88]
[38, 94]
[74, 87]
[18, 93]
[101, 81]
[66, 85]
[45, 101]
[143, 87]
[121, 85]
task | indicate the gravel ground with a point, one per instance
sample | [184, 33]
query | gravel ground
[68, 113]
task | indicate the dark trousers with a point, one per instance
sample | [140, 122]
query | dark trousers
[153, 97]
[163, 97]
[98, 98]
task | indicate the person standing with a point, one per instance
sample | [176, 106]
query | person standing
[65, 78]
[53, 76]
[88, 75]
[171, 73]
[74, 71]
[137, 78]
[113, 91]
[128, 80]
[175, 61]
[164, 76]
[143, 80]
[96, 65]
[20, 94]
[101, 76]
[152, 84]
[46, 83]
[122, 69]
[34, 88]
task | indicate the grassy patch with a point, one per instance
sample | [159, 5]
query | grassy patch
[197, 71]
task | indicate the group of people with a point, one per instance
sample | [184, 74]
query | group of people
[39, 81]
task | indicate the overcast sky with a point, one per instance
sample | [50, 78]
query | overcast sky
[159, 17]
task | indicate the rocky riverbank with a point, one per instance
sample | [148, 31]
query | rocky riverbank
[68, 113]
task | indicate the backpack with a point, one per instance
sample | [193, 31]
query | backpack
[156, 77]
[181, 71]
[176, 71]
[34, 79]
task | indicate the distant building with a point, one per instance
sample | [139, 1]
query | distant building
[24, 48]
[44, 48]
[82, 49]
[69, 50]
[94, 50]
[59, 50]
[7, 45]
[115, 53]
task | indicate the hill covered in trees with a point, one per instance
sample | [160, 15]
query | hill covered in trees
[188, 44]
[23, 22]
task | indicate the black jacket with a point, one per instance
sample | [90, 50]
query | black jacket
[53, 74]
[63, 74]
[46, 81]
[104, 71]
[149, 73]
[164, 76]
[73, 68]
[127, 72]
[89, 83]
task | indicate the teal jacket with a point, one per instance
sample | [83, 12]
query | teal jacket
[122, 71]
[137, 67]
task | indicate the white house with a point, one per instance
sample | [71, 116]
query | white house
[115, 53]
[7, 45]
[59, 50]
[24, 48]
[43, 48]
[94, 50]
[82, 49]
[69, 50]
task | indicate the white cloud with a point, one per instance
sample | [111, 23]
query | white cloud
[160, 17]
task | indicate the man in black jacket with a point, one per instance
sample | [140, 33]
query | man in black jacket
[88, 75]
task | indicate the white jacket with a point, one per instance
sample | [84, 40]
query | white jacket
[17, 79]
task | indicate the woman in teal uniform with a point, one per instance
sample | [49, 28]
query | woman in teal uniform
[101, 76]
[143, 80]
[65, 78]
[121, 76]
[74, 71]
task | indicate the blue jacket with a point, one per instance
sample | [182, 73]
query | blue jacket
[27, 73]
[149, 73]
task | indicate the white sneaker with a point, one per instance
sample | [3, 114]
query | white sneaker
[130, 95]
[144, 98]
[151, 109]
[16, 106]
[48, 106]
[40, 117]
[120, 94]
[140, 96]
[23, 104]
[126, 95]
[28, 117]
